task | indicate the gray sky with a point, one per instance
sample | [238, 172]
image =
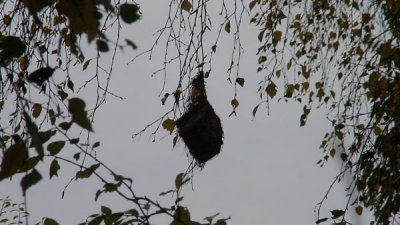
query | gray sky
[266, 172]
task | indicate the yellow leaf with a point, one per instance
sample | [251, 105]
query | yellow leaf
[332, 152]
[24, 62]
[278, 73]
[177, 95]
[235, 103]
[289, 91]
[289, 65]
[86, 64]
[271, 89]
[360, 126]
[377, 130]
[36, 110]
[277, 35]
[46, 30]
[169, 125]
[255, 110]
[164, 98]
[359, 210]
[7, 20]
[52, 116]
[186, 5]
[16, 129]
[305, 87]
[228, 27]
[339, 135]
[174, 141]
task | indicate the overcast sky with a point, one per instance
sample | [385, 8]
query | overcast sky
[266, 172]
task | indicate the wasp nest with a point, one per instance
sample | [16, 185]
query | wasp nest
[200, 127]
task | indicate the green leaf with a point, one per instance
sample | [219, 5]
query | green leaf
[29, 180]
[74, 141]
[36, 5]
[178, 200]
[337, 213]
[16, 138]
[13, 159]
[186, 5]
[82, 16]
[200, 65]
[169, 125]
[129, 12]
[46, 135]
[106, 210]
[179, 180]
[303, 117]
[131, 43]
[321, 220]
[116, 216]
[214, 48]
[102, 46]
[261, 35]
[182, 215]
[87, 172]
[221, 222]
[54, 167]
[240, 81]
[132, 212]
[289, 90]
[55, 147]
[70, 85]
[41, 75]
[96, 220]
[77, 156]
[11, 47]
[110, 187]
[36, 139]
[76, 107]
[95, 145]
[210, 218]
[174, 141]
[29, 164]
[166, 192]
[252, 4]
[65, 125]
[98, 193]
[49, 221]
[107, 5]
[63, 95]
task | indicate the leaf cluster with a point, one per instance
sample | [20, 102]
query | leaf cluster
[343, 56]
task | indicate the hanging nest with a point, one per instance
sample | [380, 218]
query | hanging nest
[200, 127]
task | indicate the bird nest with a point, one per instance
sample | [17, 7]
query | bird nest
[200, 127]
